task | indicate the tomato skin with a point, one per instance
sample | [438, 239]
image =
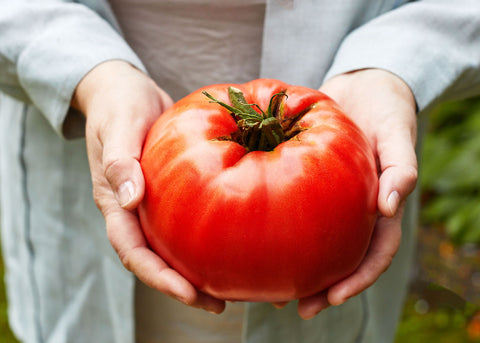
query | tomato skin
[258, 226]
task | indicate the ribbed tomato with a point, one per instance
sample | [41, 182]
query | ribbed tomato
[259, 192]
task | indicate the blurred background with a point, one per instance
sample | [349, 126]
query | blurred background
[444, 301]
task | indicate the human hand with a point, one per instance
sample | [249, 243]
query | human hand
[383, 106]
[121, 104]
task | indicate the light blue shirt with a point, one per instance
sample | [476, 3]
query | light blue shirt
[65, 283]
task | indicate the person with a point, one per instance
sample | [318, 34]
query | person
[82, 82]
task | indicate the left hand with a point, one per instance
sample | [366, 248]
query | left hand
[383, 106]
[121, 104]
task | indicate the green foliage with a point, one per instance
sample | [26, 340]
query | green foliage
[442, 324]
[6, 335]
[450, 175]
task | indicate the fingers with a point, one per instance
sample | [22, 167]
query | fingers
[280, 305]
[383, 247]
[396, 183]
[383, 106]
[309, 307]
[398, 166]
[121, 104]
[123, 172]
[122, 142]
[128, 241]
[126, 237]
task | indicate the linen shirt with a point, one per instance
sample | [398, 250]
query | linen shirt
[65, 283]
[184, 46]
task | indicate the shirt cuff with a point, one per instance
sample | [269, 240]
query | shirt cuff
[51, 67]
[424, 44]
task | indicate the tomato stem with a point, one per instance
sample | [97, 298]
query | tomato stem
[257, 130]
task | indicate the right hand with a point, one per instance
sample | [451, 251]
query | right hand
[121, 104]
[383, 106]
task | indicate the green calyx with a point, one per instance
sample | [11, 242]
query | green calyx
[257, 130]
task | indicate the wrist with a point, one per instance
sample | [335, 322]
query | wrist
[97, 81]
[370, 80]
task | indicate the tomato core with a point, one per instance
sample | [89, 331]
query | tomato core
[259, 130]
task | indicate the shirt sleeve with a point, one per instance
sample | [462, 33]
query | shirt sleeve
[47, 47]
[433, 45]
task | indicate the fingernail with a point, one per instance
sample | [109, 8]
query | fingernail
[125, 193]
[393, 200]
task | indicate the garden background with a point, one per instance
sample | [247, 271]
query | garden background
[444, 300]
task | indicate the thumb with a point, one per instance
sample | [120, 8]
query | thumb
[122, 148]
[124, 174]
[398, 176]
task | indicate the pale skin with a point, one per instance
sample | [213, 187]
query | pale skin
[121, 103]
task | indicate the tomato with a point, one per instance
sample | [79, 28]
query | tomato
[258, 192]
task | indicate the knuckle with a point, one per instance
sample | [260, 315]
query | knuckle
[386, 261]
[118, 169]
[411, 176]
[126, 259]
[98, 197]
[112, 166]
[102, 197]
[366, 280]
[379, 266]
[125, 255]
[100, 202]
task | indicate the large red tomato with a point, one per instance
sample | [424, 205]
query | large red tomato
[260, 192]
